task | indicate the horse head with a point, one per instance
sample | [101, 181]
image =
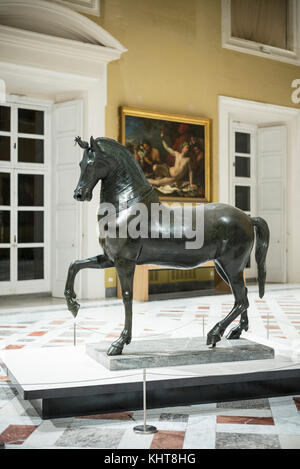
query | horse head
[93, 168]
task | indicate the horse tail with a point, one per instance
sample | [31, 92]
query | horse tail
[262, 244]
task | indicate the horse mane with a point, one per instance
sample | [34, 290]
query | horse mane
[105, 144]
[110, 148]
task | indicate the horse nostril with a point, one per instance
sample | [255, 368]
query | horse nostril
[77, 195]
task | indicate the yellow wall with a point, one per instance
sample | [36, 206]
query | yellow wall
[175, 63]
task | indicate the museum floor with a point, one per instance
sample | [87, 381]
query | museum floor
[44, 322]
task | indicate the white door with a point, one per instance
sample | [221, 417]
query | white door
[243, 176]
[272, 148]
[24, 199]
[67, 230]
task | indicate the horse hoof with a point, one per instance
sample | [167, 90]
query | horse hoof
[234, 334]
[212, 340]
[73, 307]
[114, 350]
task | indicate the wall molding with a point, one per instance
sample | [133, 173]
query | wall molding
[43, 34]
[92, 7]
[52, 19]
[54, 45]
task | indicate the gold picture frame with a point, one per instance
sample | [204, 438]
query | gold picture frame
[161, 141]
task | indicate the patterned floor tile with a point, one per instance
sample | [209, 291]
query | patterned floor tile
[90, 437]
[37, 333]
[13, 347]
[16, 434]
[244, 420]
[297, 402]
[247, 404]
[174, 417]
[167, 440]
[7, 392]
[246, 441]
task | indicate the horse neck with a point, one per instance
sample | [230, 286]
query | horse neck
[124, 185]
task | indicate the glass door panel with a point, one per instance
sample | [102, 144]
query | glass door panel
[5, 128]
[30, 150]
[4, 188]
[30, 121]
[242, 198]
[30, 190]
[4, 265]
[4, 227]
[5, 118]
[30, 263]
[4, 148]
[243, 175]
[5, 230]
[242, 167]
[30, 227]
[243, 142]
[23, 236]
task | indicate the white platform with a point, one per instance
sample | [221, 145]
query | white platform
[37, 371]
[66, 381]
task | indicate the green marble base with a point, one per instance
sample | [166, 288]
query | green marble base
[177, 352]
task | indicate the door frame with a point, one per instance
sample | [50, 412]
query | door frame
[266, 114]
[14, 286]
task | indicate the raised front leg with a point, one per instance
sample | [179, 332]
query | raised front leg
[125, 271]
[97, 262]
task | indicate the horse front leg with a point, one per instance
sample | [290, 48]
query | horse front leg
[97, 262]
[125, 270]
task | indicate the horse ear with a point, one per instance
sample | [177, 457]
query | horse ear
[92, 142]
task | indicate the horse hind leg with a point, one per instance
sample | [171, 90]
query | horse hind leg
[236, 281]
[235, 332]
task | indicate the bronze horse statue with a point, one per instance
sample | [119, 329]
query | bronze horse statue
[228, 237]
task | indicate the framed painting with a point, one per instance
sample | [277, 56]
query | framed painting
[172, 150]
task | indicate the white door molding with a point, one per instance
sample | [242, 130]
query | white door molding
[15, 168]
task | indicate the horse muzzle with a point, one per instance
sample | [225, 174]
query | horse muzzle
[82, 195]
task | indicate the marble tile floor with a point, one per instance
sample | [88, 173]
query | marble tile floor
[265, 423]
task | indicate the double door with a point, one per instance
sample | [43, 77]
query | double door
[258, 157]
[24, 207]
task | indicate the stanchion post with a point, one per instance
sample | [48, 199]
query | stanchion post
[74, 332]
[145, 429]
